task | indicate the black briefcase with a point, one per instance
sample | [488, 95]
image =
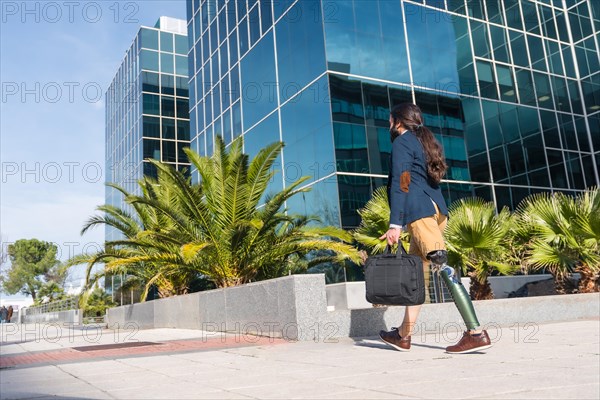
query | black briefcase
[395, 279]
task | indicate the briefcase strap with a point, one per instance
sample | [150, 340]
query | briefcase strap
[399, 253]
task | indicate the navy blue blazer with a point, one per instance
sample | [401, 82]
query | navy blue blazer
[409, 188]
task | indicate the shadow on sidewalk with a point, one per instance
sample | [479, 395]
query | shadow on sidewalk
[364, 323]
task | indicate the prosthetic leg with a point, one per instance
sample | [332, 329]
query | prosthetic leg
[459, 294]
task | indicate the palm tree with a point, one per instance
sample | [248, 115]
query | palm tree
[170, 278]
[375, 220]
[216, 229]
[563, 236]
[222, 232]
[95, 302]
[587, 226]
[476, 238]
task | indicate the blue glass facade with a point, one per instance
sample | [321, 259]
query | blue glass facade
[511, 88]
[147, 109]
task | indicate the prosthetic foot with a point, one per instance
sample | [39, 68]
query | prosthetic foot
[459, 294]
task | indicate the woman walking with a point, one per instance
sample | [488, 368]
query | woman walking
[416, 204]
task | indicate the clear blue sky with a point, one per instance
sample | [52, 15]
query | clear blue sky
[55, 57]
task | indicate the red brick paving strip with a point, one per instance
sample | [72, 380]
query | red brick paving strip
[70, 355]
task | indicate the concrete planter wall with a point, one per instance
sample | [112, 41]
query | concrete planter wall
[347, 296]
[351, 295]
[296, 307]
[283, 307]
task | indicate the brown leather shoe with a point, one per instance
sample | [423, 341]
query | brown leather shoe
[470, 343]
[393, 339]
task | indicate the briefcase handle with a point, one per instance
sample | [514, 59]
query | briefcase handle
[399, 253]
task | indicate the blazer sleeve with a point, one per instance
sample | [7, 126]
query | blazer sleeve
[402, 160]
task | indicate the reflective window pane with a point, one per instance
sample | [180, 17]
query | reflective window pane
[354, 192]
[543, 91]
[493, 126]
[300, 48]
[457, 6]
[582, 137]
[591, 93]
[183, 130]
[149, 38]
[525, 87]
[516, 159]
[499, 43]
[181, 156]
[183, 108]
[181, 44]
[519, 49]
[346, 99]
[281, 7]
[166, 63]
[554, 59]
[513, 14]
[506, 83]
[376, 105]
[182, 87]
[536, 53]
[258, 72]
[567, 131]
[151, 149]
[575, 171]
[169, 153]
[498, 165]
[479, 168]
[350, 147]
[151, 104]
[149, 60]
[380, 149]
[243, 36]
[151, 127]
[474, 135]
[547, 19]
[395, 66]
[530, 17]
[557, 169]
[166, 42]
[181, 65]
[561, 97]
[581, 24]
[550, 129]
[487, 81]
[168, 106]
[167, 84]
[494, 11]
[254, 23]
[475, 8]
[481, 44]
[312, 135]
[168, 128]
[266, 17]
[322, 200]
[528, 121]
[431, 38]
[236, 119]
[150, 82]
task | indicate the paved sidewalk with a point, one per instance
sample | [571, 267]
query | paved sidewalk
[558, 360]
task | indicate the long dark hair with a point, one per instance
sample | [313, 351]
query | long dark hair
[410, 116]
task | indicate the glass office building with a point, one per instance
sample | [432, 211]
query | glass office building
[147, 109]
[511, 88]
